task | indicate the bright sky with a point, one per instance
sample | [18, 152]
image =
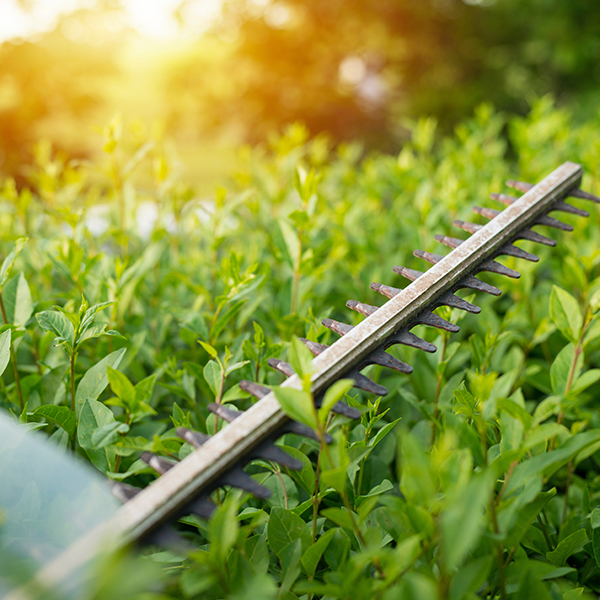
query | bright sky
[152, 18]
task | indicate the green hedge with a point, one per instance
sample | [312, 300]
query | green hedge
[476, 477]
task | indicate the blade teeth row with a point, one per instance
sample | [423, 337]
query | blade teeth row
[360, 381]
[339, 408]
[490, 265]
[429, 318]
[558, 206]
[490, 213]
[574, 192]
[364, 309]
[160, 465]
[533, 236]
[291, 426]
[406, 338]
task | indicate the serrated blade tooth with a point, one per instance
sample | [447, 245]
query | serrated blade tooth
[473, 283]
[512, 250]
[340, 408]
[197, 439]
[238, 478]
[551, 222]
[364, 309]
[410, 274]
[202, 507]
[364, 383]
[522, 186]
[568, 208]
[488, 213]
[533, 236]
[281, 366]
[466, 226]
[429, 318]
[504, 198]
[451, 242]
[495, 267]
[337, 326]
[383, 359]
[577, 193]
[160, 465]
[254, 389]
[124, 492]
[407, 338]
[454, 301]
[385, 290]
[314, 347]
[428, 256]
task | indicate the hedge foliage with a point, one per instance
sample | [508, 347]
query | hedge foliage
[477, 476]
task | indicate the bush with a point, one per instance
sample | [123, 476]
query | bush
[476, 476]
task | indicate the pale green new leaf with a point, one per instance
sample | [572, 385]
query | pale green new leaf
[566, 314]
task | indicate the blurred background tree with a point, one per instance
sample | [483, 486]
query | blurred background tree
[356, 69]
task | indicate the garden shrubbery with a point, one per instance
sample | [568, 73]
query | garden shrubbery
[133, 304]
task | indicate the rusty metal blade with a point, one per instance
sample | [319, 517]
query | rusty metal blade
[202, 507]
[340, 408]
[364, 309]
[466, 226]
[448, 299]
[386, 290]
[160, 465]
[337, 326]
[429, 318]
[533, 236]
[379, 357]
[473, 283]
[124, 492]
[512, 250]
[574, 192]
[409, 274]
[552, 222]
[406, 338]
[254, 389]
[495, 267]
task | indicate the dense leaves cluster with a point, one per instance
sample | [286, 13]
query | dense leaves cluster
[477, 476]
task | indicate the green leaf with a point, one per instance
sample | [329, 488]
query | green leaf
[5, 340]
[292, 242]
[305, 477]
[108, 434]
[145, 388]
[290, 565]
[333, 395]
[17, 301]
[570, 545]
[340, 516]
[95, 415]
[566, 314]
[585, 380]
[60, 415]
[300, 358]
[211, 351]
[223, 529]
[311, 557]
[121, 387]
[9, 261]
[58, 324]
[95, 380]
[560, 371]
[463, 521]
[284, 527]
[213, 374]
[297, 404]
